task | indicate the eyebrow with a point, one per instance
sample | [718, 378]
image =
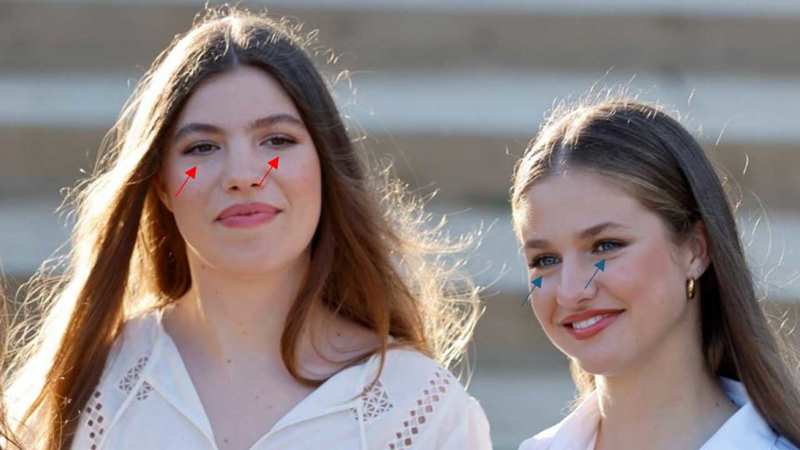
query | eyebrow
[585, 234]
[258, 123]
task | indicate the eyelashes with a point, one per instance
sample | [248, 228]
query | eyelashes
[194, 149]
[278, 142]
[281, 140]
[535, 262]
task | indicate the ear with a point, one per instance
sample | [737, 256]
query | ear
[699, 258]
[161, 190]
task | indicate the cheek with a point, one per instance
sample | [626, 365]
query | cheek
[544, 307]
[645, 283]
[310, 177]
[177, 185]
[628, 279]
[303, 183]
[173, 171]
[191, 206]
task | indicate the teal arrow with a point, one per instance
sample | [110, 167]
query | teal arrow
[537, 283]
[601, 265]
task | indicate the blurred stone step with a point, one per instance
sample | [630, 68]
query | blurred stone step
[520, 403]
[40, 161]
[50, 126]
[30, 232]
[730, 108]
[586, 36]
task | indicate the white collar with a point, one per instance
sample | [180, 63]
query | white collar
[167, 374]
[744, 429]
[579, 429]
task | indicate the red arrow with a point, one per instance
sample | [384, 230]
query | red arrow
[273, 164]
[190, 173]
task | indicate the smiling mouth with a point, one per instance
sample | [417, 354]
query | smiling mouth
[587, 328]
[584, 324]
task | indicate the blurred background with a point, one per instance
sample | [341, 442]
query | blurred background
[451, 90]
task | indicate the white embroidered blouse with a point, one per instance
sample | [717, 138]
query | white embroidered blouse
[145, 399]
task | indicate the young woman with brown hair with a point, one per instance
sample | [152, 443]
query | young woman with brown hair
[237, 280]
[641, 281]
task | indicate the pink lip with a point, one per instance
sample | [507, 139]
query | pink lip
[602, 324]
[589, 313]
[245, 215]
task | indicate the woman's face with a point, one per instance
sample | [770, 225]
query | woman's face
[231, 127]
[636, 303]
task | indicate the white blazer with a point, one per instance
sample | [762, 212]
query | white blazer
[145, 399]
[744, 430]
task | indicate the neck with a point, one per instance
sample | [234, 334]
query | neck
[669, 401]
[226, 314]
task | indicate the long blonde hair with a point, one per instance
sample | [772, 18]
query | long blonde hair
[652, 157]
[375, 261]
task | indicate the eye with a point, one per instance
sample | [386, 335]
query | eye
[279, 141]
[535, 263]
[199, 149]
[614, 244]
[604, 246]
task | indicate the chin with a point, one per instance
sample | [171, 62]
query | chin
[246, 262]
[598, 362]
[255, 266]
[596, 367]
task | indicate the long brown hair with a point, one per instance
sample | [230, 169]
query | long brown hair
[7, 439]
[650, 155]
[375, 261]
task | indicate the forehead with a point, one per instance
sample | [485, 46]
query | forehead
[236, 97]
[574, 201]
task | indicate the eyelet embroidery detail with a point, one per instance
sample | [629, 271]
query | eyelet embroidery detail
[374, 403]
[127, 382]
[95, 420]
[426, 405]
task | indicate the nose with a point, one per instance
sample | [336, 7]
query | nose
[573, 287]
[242, 169]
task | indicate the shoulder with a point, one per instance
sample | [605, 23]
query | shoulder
[541, 440]
[424, 404]
[783, 444]
[408, 373]
[746, 428]
[133, 345]
[127, 358]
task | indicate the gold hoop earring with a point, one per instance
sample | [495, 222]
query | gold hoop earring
[690, 288]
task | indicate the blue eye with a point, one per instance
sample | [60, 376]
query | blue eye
[614, 244]
[535, 263]
[200, 149]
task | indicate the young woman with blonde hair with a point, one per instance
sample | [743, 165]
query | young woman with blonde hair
[237, 279]
[641, 280]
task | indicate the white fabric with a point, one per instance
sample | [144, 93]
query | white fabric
[145, 399]
[744, 430]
